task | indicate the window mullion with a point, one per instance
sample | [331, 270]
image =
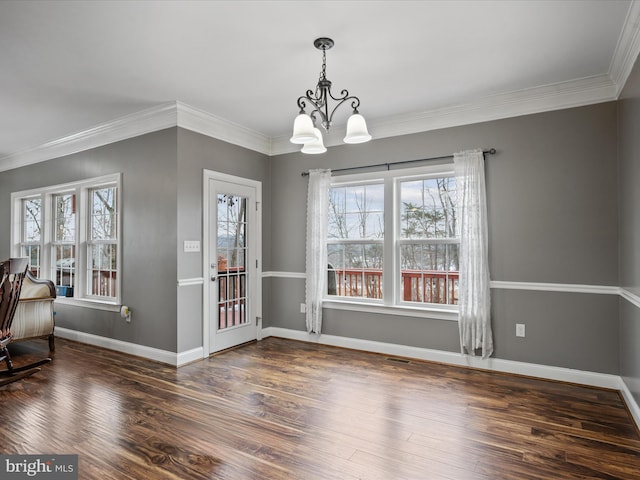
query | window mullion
[82, 239]
[47, 236]
[389, 270]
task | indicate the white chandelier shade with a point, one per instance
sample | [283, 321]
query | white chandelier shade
[315, 146]
[303, 130]
[357, 130]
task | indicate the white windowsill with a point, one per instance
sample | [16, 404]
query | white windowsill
[95, 304]
[404, 311]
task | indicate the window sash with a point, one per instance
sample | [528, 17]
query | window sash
[102, 264]
[102, 279]
[393, 287]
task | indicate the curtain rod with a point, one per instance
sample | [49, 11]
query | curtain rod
[491, 151]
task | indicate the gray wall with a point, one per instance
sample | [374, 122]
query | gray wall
[162, 207]
[629, 259]
[195, 153]
[552, 218]
[149, 225]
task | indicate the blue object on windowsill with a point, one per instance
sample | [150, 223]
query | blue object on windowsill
[64, 291]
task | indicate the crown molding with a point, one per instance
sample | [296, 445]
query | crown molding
[150, 120]
[535, 100]
[557, 96]
[205, 123]
[628, 48]
[139, 123]
[575, 93]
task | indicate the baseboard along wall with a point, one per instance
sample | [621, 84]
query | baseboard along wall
[593, 379]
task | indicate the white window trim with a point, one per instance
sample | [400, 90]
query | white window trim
[390, 305]
[80, 188]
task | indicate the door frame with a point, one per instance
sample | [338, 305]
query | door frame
[206, 223]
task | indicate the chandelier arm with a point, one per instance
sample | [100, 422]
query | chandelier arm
[345, 96]
[354, 104]
[317, 102]
[344, 93]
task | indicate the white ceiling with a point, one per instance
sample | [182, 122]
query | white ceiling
[67, 66]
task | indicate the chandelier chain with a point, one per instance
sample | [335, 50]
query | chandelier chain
[323, 76]
[324, 63]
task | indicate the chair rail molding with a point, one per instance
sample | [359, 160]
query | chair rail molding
[187, 282]
[630, 297]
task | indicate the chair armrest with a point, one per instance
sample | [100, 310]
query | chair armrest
[33, 287]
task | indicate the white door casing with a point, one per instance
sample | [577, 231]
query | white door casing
[232, 268]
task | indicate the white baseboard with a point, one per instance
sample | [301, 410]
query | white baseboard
[593, 379]
[453, 358]
[634, 408]
[189, 356]
[163, 356]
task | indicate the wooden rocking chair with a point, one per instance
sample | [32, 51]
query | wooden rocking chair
[12, 273]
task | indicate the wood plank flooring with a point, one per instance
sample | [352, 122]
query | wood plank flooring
[280, 409]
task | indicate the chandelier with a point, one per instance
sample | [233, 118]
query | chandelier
[305, 131]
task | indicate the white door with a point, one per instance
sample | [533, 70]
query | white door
[233, 240]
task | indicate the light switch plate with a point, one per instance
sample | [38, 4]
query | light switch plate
[192, 245]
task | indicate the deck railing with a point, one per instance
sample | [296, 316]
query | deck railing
[231, 297]
[424, 286]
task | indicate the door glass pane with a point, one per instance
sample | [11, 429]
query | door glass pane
[232, 255]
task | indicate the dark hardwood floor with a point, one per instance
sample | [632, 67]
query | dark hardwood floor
[279, 409]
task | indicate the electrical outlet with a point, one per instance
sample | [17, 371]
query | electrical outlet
[303, 308]
[519, 329]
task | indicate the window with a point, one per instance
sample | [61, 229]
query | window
[102, 242]
[71, 235]
[427, 240]
[31, 232]
[63, 245]
[392, 239]
[356, 240]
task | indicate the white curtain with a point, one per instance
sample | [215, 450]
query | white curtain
[474, 290]
[317, 225]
